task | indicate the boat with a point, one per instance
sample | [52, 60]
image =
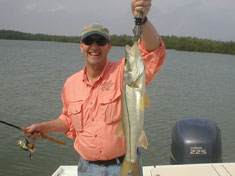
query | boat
[196, 150]
[209, 169]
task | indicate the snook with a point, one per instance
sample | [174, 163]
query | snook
[133, 102]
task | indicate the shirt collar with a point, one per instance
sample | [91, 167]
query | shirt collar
[85, 79]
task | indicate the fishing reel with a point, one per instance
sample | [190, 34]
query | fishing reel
[26, 145]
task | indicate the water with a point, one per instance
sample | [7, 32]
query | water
[32, 75]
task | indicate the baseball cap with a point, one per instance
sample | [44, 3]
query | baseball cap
[95, 29]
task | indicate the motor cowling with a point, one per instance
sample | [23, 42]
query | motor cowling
[196, 140]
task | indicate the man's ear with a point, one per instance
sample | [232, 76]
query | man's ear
[81, 46]
[109, 45]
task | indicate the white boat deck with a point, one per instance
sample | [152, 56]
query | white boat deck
[211, 169]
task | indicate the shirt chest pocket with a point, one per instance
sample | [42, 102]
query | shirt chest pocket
[110, 103]
[75, 113]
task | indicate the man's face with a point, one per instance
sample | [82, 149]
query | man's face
[95, 54]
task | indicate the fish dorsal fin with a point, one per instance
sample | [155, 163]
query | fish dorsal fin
[119, 131]
[143, 141]
[146, 100]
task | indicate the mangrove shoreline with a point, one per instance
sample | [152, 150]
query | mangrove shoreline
[172, 42]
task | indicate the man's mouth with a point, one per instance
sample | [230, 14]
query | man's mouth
[94, 54]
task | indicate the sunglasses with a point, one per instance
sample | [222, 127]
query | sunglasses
[99, 41]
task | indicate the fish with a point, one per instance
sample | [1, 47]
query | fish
[134, 99]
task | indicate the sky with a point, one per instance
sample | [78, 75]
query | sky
[207, 19]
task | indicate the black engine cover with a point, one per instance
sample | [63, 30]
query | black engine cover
[196, 140]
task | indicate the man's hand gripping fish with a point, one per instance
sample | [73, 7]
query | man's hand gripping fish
[133, 101]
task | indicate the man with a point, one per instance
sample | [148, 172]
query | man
[92, 98]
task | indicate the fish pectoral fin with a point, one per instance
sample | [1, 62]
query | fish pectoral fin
[119, 130]
[143, 141]
[146, 100]
[129, 168]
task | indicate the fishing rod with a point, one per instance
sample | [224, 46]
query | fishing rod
[42, 135]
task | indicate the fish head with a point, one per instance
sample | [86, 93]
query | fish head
[134, 66]
[131, 55]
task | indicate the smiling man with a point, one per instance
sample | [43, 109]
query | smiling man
[95, 47]
[92, 98]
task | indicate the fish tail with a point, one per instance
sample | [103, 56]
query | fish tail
[130, 169]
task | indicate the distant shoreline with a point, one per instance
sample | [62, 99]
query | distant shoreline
[171, 42]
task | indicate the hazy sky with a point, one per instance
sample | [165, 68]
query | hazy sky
[210, 19]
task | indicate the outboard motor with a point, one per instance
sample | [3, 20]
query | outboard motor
[196, 140]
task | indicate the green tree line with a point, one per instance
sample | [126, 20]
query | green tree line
[171, 42]
[199, 45]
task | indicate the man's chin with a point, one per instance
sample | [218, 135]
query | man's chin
[95, 62]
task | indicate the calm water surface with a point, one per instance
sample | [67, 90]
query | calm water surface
[32, 75]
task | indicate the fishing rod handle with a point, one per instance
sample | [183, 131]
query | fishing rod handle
[53, 139]
[46, 137]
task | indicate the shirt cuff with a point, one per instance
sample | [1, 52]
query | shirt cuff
[67, 121]
[144, 51]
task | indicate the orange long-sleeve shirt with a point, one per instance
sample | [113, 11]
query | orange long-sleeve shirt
[92, 112]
